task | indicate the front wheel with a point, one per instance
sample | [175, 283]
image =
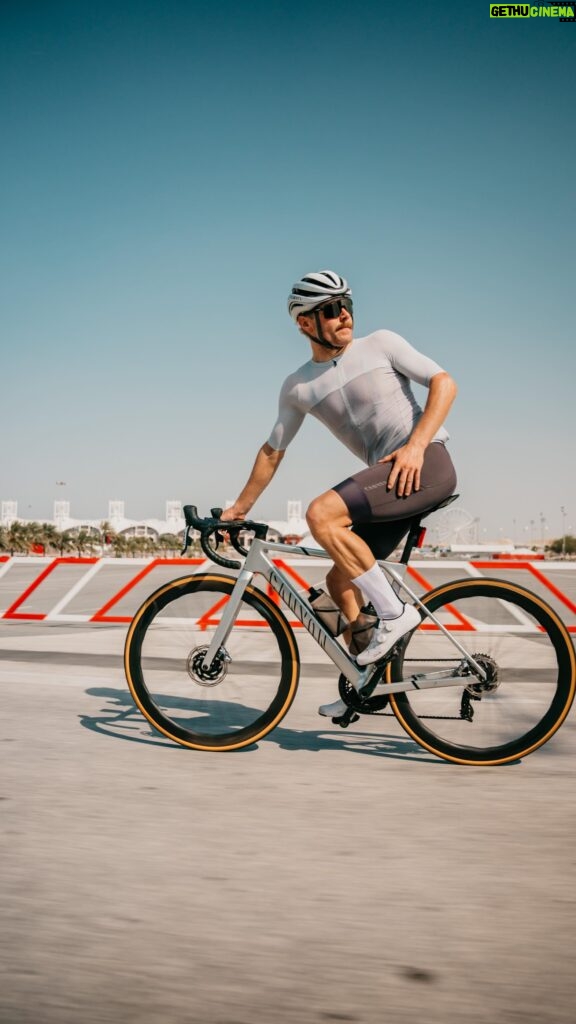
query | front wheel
[530, 665]
[246, 690]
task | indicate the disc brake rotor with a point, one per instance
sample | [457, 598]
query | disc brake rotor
[207, 675]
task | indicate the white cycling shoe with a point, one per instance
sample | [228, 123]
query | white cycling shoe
[387, 633]
[334, 710]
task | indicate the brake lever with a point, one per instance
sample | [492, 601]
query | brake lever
[214, 526]
[216, 513]
[187, 533]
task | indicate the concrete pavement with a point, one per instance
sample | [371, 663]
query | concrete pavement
[320, 876]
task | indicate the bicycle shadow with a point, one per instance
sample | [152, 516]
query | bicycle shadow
[122, 720]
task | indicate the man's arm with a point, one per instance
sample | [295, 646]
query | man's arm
[408, 459]
[265, 466]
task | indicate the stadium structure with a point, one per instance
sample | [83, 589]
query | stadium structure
[452, 530]
[291, 529]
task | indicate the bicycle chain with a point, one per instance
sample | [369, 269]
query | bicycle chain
[362, 706]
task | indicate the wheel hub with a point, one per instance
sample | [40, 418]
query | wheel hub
[203, 674]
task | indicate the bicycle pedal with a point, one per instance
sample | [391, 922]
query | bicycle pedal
[348, 718]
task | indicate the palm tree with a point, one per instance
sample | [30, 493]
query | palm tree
[134, 546]
[119, 544]
[63, 541]
[107, 534]
[83, 540]
[34, 538]
[169, 542]
[49, 537]
[17, 538]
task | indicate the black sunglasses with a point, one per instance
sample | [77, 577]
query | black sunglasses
[330, 310]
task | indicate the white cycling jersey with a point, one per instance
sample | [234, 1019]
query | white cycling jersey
[363, 396]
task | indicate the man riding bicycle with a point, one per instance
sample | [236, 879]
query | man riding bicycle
[360, 389]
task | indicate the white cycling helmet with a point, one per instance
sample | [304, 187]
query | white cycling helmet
[314, 289]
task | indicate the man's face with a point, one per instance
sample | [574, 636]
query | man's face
[337, 327]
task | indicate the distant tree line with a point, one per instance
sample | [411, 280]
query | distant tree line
[563, 544]
[43, 538]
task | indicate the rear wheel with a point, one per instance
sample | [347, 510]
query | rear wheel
[529, 660]
[246, 690]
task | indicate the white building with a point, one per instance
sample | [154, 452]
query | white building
[173, 523]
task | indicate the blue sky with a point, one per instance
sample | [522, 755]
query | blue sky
[168, 171]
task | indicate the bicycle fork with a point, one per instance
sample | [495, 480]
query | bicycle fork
[227, 619]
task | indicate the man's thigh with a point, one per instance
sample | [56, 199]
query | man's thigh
[368, 499]
[382, 518]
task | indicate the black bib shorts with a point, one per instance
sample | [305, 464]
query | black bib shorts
[378, 515]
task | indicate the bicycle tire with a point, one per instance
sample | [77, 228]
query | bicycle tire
[162, 664]
[530, 657]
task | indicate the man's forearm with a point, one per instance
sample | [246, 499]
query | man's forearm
[441, 394]
[265, 466]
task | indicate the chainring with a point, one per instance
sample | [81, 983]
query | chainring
[355, 700]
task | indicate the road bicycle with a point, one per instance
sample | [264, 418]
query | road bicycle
[213, 663]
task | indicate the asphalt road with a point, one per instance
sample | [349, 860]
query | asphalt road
[320, 876]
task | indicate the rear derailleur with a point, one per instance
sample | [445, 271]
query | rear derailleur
[475, 691]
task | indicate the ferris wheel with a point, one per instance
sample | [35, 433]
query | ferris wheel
[452, 525]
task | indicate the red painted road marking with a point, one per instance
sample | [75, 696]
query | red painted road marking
[463, 623]
[11, 613]
[539, 576]
[102, 616]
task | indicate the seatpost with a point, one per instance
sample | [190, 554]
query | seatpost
[411, 540]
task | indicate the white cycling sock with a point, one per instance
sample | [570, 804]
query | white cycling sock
[376, 588]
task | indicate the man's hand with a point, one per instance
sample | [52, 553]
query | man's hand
[405, 474]
[232, 513]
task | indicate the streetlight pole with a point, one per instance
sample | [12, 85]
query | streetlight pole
[563, 511]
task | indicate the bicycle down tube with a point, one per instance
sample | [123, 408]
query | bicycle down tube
[257, 562]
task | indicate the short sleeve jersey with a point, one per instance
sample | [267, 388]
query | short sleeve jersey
[363, 396]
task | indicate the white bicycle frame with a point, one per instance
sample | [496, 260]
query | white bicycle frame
[257, 561]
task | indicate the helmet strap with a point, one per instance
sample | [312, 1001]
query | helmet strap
[319, 337]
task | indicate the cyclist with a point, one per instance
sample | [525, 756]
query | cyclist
[360, 389]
